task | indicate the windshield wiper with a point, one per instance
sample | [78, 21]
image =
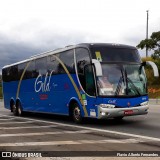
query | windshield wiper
[134, 86]
[128, 80]
[119, 86]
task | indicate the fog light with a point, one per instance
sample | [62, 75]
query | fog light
[144, 103]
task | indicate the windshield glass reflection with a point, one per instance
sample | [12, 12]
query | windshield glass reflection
[122, 80]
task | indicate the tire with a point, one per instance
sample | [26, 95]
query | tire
[76, 114]
[19, 109]
[14, 109]
[119, 118]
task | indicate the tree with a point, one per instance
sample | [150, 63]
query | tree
[152, 44]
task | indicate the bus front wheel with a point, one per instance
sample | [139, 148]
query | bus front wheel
[119, 118]
[76, 113]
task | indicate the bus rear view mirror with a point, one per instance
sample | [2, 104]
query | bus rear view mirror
[154, 67]
[98, 67]
[143, 64]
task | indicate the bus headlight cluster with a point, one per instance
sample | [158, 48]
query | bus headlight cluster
[107, 105]
[144, 103]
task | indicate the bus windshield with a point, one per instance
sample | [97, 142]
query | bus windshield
[122, 80]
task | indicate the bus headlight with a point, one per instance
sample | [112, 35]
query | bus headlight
[107, 105]
[144, 103]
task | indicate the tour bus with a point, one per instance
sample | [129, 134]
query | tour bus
[98, 80]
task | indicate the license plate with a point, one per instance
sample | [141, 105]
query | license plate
[129, 112]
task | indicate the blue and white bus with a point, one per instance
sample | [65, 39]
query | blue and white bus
[85, 80]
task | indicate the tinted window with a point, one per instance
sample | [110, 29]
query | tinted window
[21, 68]
[82, 59]
[41, 66]
[31, 71]
[89, 81]
[6, 74]
[106, 54]
[10, 74]
[52, 64]
[67, 58]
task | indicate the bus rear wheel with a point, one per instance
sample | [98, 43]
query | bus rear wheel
[76, 114]
[14, 109]
[19, 109]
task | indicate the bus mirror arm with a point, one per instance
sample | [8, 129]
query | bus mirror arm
[154, 67]
[98, 67]
[142, 65]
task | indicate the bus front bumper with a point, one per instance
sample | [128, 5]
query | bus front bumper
[121, 112]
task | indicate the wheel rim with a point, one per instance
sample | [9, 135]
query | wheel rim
[14, 109]
[19, 110]
[77, 113]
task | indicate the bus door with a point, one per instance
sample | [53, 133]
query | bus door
[90, 90]
[86, 79]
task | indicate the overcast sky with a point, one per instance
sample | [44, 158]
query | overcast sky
[28, 27]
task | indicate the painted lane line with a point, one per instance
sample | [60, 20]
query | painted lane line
[8, 119]
[14, 122]
[38, 143]
[95, 129]
[66, 142]
[2, 115]
[111, 141]
[32, 127]
[44, 133]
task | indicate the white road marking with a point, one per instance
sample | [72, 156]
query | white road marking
[2, 115]
[31, 121]
[95, 129]
[32, 127]
[67, 142]
[7, 119]
[44, 133]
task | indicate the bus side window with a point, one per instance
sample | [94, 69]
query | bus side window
[89, 80]
[10, 74]
[31, 71]
[41, 66]
[21, 68]
[83, 61]
[67, 58]
[6, 74]
[14, 73]
[52, 65]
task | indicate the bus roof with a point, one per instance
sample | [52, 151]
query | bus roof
[109, 45]
[86, 45]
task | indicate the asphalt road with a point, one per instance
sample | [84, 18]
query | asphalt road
[39, 132]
